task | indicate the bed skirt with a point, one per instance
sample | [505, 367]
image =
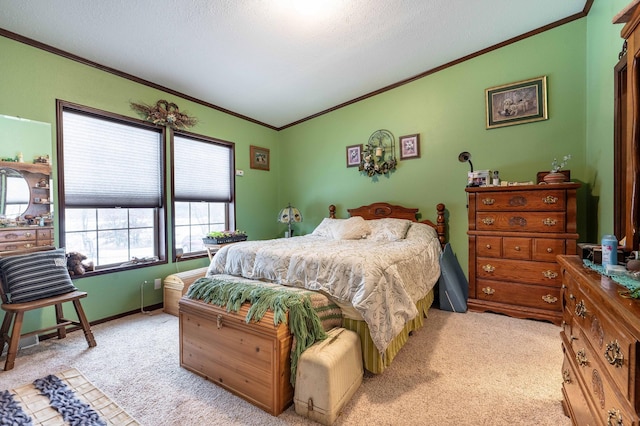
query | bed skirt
[375, 362]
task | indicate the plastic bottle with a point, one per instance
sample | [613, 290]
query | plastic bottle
[609, 250]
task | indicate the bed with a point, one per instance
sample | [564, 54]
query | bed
[380, 266]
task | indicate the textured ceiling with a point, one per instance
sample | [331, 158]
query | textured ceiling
[271, 60]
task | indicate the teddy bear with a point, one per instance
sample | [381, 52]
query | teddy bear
[76, 264]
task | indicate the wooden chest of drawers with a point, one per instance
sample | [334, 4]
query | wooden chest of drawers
[515, 234]
[18, 238]
[251, 360]
[600, 339]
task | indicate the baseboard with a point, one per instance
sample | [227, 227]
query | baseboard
[103, 320]
[25, 342]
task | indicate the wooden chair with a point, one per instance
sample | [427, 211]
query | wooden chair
[14, 312]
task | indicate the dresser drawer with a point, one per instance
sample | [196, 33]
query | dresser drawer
[516, 248]
[17, 245]
[521, 221]
[607, 404]
[44, 234]
[547, 200]
[546, 249]
[572, 391]
[543, 273]
[514, 293]
[609, 344]
[489, 246]
[18, 234]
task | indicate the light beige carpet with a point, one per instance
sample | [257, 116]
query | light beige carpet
[460, 369]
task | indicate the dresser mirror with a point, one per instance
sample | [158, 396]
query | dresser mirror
[14, 193]
[26, 188]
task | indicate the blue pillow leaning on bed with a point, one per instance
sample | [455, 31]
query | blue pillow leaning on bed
[34, 276]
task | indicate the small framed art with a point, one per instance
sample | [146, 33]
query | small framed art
[409, 147]
[259, 158]
[354, 155]
[517, 103]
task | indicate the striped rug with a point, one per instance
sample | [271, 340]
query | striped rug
[66, 398]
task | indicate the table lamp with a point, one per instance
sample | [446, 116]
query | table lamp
[289, 215]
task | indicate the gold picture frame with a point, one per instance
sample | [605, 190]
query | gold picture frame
[517, 103]
[260, 158]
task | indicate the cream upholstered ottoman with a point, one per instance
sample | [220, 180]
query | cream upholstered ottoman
[328, 375]
[176, 285]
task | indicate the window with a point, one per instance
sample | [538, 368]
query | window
[203, 190]
[111, 187]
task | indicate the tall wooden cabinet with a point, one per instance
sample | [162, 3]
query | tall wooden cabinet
[515, 234]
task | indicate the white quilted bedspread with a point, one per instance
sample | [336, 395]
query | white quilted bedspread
[382, 280]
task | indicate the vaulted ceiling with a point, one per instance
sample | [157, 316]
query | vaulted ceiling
[277, 62]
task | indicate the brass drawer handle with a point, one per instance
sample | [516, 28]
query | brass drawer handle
[550, 274]
[488, 268]
[549, 299]
[489, 246]
[549, 250]
[550, 199]
[613, 354]
[611, 415]
[219, 321]
[488, 290]
[566, 377]
[488, 220]
[517, 248]
[581, 309]
[549, 222]
[488, 201]
[581, 358]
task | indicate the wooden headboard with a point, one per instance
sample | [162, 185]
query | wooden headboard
[386, 210]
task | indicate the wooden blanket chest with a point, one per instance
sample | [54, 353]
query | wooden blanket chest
[252, 360]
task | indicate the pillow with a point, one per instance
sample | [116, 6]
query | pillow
[354, 228]
[36, 275]
[324, 228]
[388, 229]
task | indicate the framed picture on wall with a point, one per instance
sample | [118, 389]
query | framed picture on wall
[354, 155]
[517, 103]
[259, 158]
[409, 147]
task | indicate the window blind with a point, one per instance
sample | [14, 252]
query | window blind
[202, 170]
[110, 164]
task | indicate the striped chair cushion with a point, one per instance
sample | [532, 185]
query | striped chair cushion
[36, 275]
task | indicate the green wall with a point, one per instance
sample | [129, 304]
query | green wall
[32, 81]
[447, 109]
[603, 45]
[308, 164]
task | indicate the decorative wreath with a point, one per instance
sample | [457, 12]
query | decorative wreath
[165, 114]
[373, 164]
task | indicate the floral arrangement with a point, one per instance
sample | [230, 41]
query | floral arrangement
[165, 114]
[371, 164]
[222, 237]
[557, 166]
[224, 234]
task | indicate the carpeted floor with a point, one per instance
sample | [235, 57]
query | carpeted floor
[460, 369]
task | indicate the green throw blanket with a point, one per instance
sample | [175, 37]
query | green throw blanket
[305, 323]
